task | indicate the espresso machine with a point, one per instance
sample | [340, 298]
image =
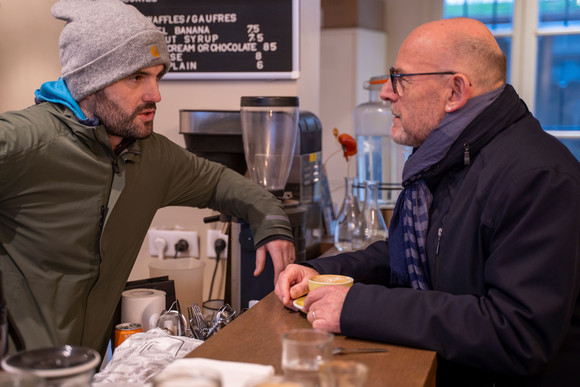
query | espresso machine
[219, 135]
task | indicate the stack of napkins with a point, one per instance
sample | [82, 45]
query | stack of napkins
[234, 374]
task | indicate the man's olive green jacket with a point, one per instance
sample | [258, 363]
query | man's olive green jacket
[73, 217]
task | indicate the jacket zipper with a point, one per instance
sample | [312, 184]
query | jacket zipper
[466, 155]
[437, 248]
[102, 217]
[105, 209]
[115, 163]
[439, 235]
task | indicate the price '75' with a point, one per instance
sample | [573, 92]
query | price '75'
[253, 28]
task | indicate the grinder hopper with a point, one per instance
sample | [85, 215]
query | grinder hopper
[269, 129]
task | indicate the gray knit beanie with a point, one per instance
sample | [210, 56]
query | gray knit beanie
[105, 41]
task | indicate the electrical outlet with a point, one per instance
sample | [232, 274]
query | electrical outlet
[164, 242]
[212, 236]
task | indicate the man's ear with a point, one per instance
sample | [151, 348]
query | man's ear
[459, 95]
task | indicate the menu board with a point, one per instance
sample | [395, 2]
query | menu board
[227, 39]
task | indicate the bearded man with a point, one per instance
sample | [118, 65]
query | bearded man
[83, 175]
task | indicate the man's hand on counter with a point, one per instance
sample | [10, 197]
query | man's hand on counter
[293, 283]
[282, 253]
[323, 306]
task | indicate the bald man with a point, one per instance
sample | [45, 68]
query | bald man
[482, 264]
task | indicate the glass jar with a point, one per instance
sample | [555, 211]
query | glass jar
[378, 158]
[349, 231]
[375, 226]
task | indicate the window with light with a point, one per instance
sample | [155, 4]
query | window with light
[541, 39]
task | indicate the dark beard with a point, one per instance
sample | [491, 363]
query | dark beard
[120, 123]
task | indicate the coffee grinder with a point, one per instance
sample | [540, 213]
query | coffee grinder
[217, 135]
[269, 131]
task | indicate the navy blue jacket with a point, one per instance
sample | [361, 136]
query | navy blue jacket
[503, 248]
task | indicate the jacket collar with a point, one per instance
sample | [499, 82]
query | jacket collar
[95, 137]
[57, 93]
[507, 109]
[441, 139]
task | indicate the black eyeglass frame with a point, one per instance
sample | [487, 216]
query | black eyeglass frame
[394, 76]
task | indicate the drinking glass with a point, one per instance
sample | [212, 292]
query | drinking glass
[339, 373]
[273, 381]
[303, 352]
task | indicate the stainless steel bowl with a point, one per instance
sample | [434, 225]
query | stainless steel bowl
[62, 365]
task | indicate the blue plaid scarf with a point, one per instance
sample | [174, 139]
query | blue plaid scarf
[410, 221]
[415, 216]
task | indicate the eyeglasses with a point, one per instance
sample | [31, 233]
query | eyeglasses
[395, 76]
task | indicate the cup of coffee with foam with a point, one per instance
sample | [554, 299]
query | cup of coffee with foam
[329, 279]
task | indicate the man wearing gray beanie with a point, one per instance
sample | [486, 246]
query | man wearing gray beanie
[83, 175]
[105, 41]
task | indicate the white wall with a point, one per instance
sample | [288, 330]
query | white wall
[402, 16]
[29, 47]
[349, 57]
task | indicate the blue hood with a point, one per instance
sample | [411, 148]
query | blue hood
[57, 92]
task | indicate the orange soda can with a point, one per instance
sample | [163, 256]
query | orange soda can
[124, 330]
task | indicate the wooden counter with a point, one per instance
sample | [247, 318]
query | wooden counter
[255, 337]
